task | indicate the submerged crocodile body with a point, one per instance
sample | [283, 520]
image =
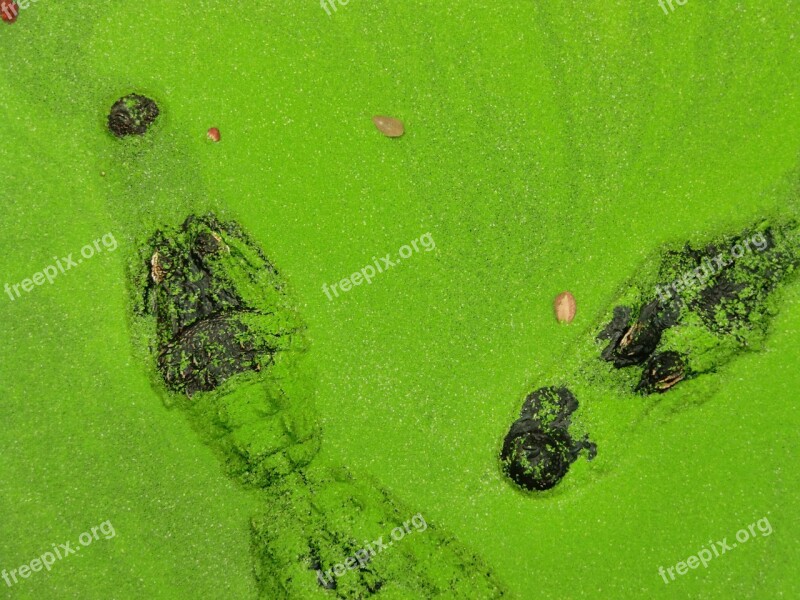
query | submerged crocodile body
[686, 313]
[228, 345]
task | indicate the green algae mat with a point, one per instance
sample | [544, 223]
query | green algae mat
[399, 300]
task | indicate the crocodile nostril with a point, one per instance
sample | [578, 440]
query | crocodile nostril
[132, 115]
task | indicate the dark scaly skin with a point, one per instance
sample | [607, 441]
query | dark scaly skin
[207, 331]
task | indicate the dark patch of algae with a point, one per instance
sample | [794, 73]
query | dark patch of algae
[228, 344]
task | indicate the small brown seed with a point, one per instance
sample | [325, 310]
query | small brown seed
[213, 134]
[565, 307]
[389, 126]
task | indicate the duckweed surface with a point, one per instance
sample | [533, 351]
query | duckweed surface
[548, 147]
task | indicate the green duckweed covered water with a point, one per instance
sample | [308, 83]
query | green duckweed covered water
[547, 148]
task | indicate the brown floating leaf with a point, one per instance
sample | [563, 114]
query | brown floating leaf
[389, 126]
[565, 307]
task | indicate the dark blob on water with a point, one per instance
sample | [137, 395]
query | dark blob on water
[538, 450]
[132, 115]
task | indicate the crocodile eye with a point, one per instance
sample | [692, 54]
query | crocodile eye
[629, 335]
[209, 242]
[662, 371]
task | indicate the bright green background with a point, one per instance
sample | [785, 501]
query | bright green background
[549, 146]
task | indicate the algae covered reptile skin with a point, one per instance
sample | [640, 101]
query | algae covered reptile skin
[703, 304]
[218, 304]
[687, 312]
[319, 517]
[228, 345]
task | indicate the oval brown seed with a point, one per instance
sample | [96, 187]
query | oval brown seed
[389, 126]
[565, 307]
[213, 134]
